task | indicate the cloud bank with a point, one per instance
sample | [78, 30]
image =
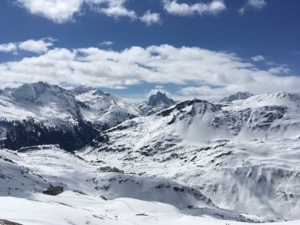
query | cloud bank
[200, 72]
[64, 11]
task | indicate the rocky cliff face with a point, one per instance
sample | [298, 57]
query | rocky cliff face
[156, 103]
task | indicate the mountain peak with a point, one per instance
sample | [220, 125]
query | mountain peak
[156, 103]
[160, 98]
[32, 92]
[237, 96]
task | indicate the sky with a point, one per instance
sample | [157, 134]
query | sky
[187, 48]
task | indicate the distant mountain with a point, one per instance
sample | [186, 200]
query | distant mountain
[236, 96]
[274, 115]
[40, 113]
[103, 110]
[156, 103]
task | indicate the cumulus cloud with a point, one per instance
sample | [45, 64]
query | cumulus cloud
[63, 11]
[36, 46]
[279, 70]
[258, 58]
[56, 10]
[150, 18]
[10, 47]
[112, 8]
[253, 4]
[183, 9]
[157, 88]
[211, 73]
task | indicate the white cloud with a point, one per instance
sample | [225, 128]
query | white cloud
[36, 46]
[258, 58]
[184, 9]
[10, 47]
[106, 43]
[221, 73]
[280, 70]
[157, 88]
[112, 8]
[258, 4]
[253, 4]
[59, 11]
[150, 18]
[204, 92]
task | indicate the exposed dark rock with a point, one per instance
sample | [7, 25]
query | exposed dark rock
[53, 190]
[6, 222]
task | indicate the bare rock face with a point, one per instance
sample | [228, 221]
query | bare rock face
[156, 103]
[53, 190]
[6, 222]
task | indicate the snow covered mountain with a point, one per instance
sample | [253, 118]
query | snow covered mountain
[40, 113]
[236, 96]
[230, 160]
[243, 156]
[103, 110]
[156, 103]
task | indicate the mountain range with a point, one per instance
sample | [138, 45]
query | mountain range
[234, 159]
[39, 113]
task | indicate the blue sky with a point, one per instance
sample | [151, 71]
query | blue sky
[188, 48]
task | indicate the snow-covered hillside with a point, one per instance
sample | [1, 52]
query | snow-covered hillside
[40, 113]
[195, 162]
[236, 96]
[244, 155]
[103, 110]
[93, 193]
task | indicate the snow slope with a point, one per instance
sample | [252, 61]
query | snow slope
[40, 113]
[236, 96]
[244, 156]
[102, 109]
[94, 196]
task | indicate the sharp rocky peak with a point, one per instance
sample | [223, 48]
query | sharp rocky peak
[160, 98]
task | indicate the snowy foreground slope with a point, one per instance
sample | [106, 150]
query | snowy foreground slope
[244, 156]
[93, 196]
